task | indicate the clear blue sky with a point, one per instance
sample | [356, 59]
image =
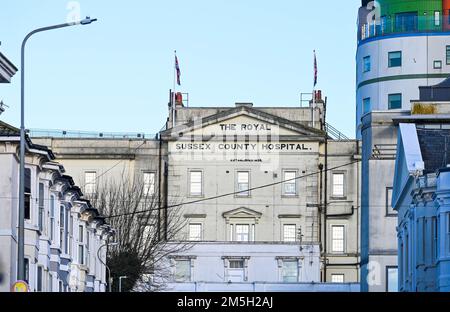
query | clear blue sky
[115, 75]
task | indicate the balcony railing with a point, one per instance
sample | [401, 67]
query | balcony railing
[403, 24]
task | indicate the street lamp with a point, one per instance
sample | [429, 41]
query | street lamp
[21, 234]
[120, 282]
[104, 263]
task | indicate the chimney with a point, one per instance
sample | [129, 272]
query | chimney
[244, 104]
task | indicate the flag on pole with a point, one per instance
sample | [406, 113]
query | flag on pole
[177, 67]
[315, 69]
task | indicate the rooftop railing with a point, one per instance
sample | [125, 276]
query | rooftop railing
[403, 24]
[43, 133]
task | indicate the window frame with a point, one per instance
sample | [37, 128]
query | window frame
[246, 193]
[151, 189]
[191, 194]
[447, 53]
[27, 195]
[284, 233]
[369, 68]
[88, 185]
[389, 101]
[283, 267]
[332, 250]
[392, 267]
[41, 206]
[437, 66]
[344, 189]
[364, 101]
[389, 213]
[338, 275]
[390, 59]
[448, 232]
[437, 18]
[200, 238]
[62, 227]
[242, 225]
[294, 182]
[81, 246]
[52, 217]
[39, 278]
[183, 279]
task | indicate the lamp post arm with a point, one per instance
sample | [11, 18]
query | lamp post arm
[21, 214]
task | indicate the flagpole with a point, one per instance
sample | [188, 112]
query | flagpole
[174, 87]
[314, 91]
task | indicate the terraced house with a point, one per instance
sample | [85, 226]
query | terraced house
[63, 233]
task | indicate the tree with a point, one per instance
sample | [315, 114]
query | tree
[133, 209]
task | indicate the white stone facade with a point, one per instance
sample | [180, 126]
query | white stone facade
[62, 231]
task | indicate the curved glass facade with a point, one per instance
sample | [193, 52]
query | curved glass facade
[405, 16]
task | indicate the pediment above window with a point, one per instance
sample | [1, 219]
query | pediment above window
[242, 213]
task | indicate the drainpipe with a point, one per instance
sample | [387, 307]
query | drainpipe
[159, 185]
[166, 197]
[320, 203]
[325, 201]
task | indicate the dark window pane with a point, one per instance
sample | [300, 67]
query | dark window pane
[27, 180]
[405, 22]
[395, 101]
[395, 59]
[27, 206]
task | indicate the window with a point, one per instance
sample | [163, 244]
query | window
[290, 271]
[337, 239]
[90, 182]
[61, 227]
[52, 217]
[235, 272]
[41, 208]
[236, 264]
[70, 235]
[50, 282]
[366, 64]
[87, 253]
[195, 232]
[338, 185]
[390, 212]
[395, 101]
[437, 18]
[395, 59]
[407, 257]
[68, 228]
[290, 184]
[448, 53]
[437, 64]
[338, 278]
[391, 279]
[39, 283]
[289, 233]
[367, 105]
[195, 183]
[434, 245]
[27, 270]
[27, 194]
[183, 271]
[243, 183]
[406, 22]
[81, 244]
[149, 183]
[448, 233]
[242, 233]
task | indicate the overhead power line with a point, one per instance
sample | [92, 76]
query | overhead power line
[229, 194]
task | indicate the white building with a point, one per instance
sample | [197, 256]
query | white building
[63, 233]
[303, 231]
[290, 211]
